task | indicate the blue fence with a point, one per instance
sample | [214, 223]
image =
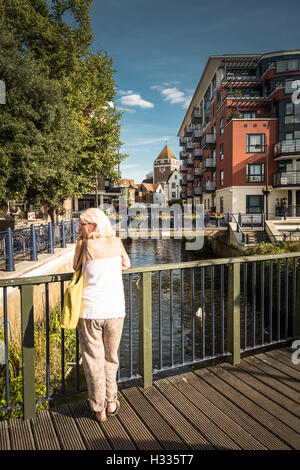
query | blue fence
[27, 243]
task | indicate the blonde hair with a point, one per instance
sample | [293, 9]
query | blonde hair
[103, 225]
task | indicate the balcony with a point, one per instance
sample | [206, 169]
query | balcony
[284, 179]
[197, 153]
[197, 171]
[208, 186]
[188, 129]
[183, 167]
[287, 147]
[189, 193]
[197, 135]
[208, 164]
[190, 145]
[208, 141]
[197, 190]
[197, 115]
[189, 177]
[189, 161]
[182, 141]
[183, 154]
[183, 182]
[249, 95]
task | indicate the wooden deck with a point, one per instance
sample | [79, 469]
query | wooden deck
[253, 406]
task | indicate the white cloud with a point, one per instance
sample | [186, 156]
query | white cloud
[173, 95]
[134, 99]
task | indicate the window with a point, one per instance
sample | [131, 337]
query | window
[221, 204]
[221, 177]
[221, 152]
[254, 204]
[221, 126]
[255, 143]
[219, 99]
[173, 195]
[173, 185]
[255, 173]
[289, 108]
[249, 115]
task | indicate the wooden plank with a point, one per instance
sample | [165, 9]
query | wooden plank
[21, 437]
[278, 375]
[190, 436]
[138, 432]
[289, 368]
[163, 433]
[44, 432]
[66, 429]
[267, 397]
[286, 371]
[244, 404]
[117, 435]
[198, 419]
[217, 416]
[254, 428]
[4, 436]
[91, 432]
[289, 403]
[278, 427]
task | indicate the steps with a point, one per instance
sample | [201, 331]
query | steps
[256, 236]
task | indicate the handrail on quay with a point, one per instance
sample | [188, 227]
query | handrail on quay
[178, 314]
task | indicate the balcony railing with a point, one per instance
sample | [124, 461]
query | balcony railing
[189, 193]
[197, 134]
[245, 95]
[289, 178]
[197, 114]
[183, 167]
[208, 140]
[189, 177]
[197, 190]
[183, 154]
[190, 145]
[208, 164]
[197, 153]
[188, 129]
[208, 186]
[182, 141]
[287, 147]
[189, 161]
[197, 171]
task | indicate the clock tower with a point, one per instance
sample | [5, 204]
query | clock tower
[164, 165]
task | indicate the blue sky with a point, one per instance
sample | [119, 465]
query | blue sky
[160, 48]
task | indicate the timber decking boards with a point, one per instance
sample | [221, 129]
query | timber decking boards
[252, 406]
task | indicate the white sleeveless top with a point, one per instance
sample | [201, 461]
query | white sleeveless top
[103, 290]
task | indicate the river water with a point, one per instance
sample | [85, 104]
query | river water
[184, 337]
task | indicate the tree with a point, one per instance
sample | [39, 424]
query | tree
[40, 142]
[57, 129]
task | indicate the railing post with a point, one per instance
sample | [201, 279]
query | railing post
[27, 323]
[73, 232]
[297, 319]
[33, 247]
[50, 238]
[233, 325]
[145, 344]
[63, 234]
[9, 251]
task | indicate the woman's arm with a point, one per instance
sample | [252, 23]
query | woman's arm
[125, 258]
[77, 254]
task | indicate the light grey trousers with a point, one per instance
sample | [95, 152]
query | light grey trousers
[99, 341]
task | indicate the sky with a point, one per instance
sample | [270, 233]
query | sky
[160, 48]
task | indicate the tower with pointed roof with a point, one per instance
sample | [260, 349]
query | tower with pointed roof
[164, 165]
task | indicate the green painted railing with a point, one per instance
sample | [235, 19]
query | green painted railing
[222, 289]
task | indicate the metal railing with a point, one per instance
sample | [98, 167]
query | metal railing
[287, 146]
[287, 178]
[177, 315]
[17, 244]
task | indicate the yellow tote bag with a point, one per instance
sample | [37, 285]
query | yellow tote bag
[72, 300]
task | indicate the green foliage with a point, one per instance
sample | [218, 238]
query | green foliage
[57, 129]
[270, 249]
[15, 363]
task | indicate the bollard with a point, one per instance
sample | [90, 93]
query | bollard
[73, 232]
[50, 238]
[63, 234]
[9, 251]
[33, 247]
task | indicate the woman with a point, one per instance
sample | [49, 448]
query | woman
[102, 309]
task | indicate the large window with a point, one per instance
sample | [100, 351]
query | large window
[255, 173]
[221, 152]
[255, 143]
[221, 177]
[254, 204]
[221, 126]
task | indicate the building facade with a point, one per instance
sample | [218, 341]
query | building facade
[240, 136]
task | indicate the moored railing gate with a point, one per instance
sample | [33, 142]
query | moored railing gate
[177, 315]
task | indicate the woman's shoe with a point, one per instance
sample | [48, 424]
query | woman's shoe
[114, 413]
[100, 416]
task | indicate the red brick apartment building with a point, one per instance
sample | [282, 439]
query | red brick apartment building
[240, 136]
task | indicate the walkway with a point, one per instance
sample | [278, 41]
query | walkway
[251, 406]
